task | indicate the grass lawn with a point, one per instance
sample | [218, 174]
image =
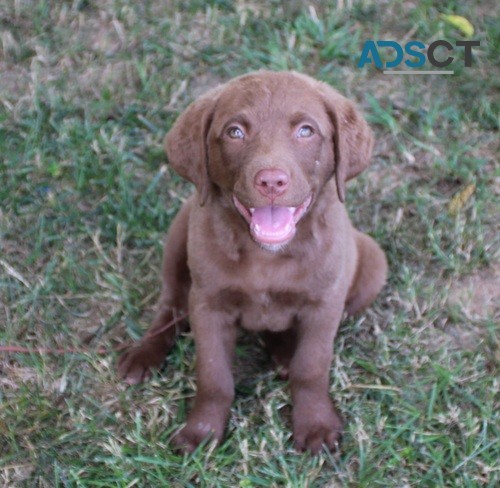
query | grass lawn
[87, 91]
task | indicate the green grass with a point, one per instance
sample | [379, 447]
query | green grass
[87, 91]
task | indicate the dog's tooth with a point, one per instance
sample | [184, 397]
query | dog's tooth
[252, 210]
[292, 209]
[257, 228]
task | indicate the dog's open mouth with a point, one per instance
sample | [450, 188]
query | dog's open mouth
[272, 224]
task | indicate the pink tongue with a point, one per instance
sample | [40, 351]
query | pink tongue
[272, 218]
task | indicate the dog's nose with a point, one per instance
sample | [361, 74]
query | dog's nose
[271, 182]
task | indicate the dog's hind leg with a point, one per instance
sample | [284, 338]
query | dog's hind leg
[371, 273]
[135, 364]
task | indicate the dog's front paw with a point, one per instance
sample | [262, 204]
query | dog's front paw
[317, 429]
[135, 364]
[194, 433]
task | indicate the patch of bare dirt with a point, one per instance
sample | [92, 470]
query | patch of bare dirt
[14, 81]
[478, 295]
[116, 73]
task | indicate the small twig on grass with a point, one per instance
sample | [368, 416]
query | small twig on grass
[101, 350]
[358, 386]
[47, 350]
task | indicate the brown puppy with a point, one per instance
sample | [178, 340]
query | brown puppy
[265, 244]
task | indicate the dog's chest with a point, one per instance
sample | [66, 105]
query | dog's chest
[268, 292]
[272, 309]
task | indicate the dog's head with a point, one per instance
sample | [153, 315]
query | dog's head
[267, 143]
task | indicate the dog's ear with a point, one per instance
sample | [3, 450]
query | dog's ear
[186, 143]
[352, 137]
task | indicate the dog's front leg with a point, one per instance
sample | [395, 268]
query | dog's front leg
[315, 420]
[215, 337]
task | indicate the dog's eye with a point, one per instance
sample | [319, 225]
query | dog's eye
[235, 133]
[305, 131]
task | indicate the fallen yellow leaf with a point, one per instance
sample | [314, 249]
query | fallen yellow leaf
[460, 199]
[460, 23]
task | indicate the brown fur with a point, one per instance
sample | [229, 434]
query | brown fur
[294, 292]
